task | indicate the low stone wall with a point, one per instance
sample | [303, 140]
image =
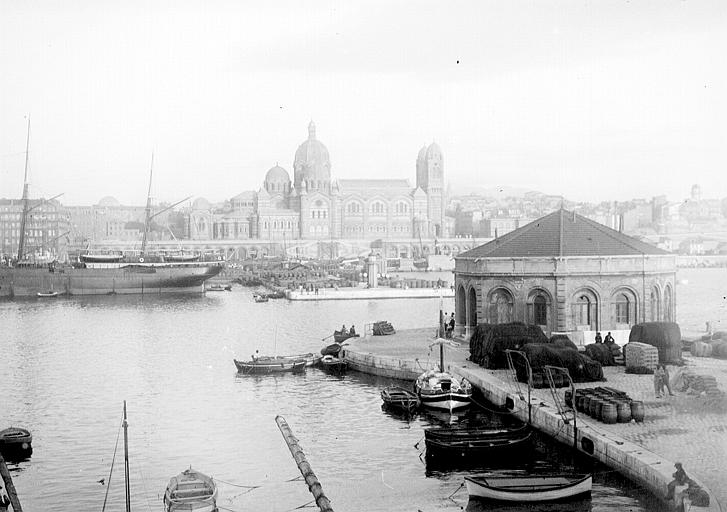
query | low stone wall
[386, 366]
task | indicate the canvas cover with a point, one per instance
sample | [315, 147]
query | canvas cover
[665, 336]
[489, 342]
[580, 367]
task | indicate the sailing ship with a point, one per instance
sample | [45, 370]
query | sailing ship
[101, 274]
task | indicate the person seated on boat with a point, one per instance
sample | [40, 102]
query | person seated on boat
[352, 331]
[343, 329]
[255, 356]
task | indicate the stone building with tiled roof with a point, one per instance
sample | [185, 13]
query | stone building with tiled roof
[313, 206]
[565, 273]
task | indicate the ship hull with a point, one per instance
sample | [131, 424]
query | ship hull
[136, 279]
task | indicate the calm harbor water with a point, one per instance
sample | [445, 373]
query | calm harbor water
[67, 365]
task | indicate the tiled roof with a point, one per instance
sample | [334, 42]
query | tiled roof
[561, 234]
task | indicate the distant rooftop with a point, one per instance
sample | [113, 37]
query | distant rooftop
[562, 234]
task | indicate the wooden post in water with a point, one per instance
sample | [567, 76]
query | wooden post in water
[314, 486]
[12, 493]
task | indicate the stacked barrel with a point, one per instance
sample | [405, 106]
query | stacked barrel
[607, 405]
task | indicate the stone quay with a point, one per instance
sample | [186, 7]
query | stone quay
[684, 428]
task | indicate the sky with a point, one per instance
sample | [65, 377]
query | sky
[591, 100]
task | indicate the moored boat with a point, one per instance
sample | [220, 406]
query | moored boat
[191, 490]
[264, 365]
[260, 297]
[218, 287]
[531, 488]
[104, 273]
[333, 364]
[469, 433]
[440, 390]
[15, 438]
[49, 293]
[340, 337]
[399, 398]
[461, 448]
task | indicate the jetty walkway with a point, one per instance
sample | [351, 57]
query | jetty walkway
[691, 429]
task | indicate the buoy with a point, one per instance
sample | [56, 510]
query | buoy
[141, 260]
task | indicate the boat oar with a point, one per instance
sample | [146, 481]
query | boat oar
[324, 339]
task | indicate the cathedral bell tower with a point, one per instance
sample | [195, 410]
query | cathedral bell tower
[430, 178]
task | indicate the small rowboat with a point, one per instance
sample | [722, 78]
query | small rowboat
[260, 297]
[333, 364]
[270, 365]
[339, 338]
[191, 490]
[460, 449]
[472, 433]
[400, 398]
[531, 488]
[310, 358]
[218, 287]
[15, 438]
[49, 293]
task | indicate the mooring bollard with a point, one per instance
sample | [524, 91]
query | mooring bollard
[314, 486]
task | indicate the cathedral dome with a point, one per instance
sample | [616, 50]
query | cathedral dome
[201, 204]
[277, 180]
[276, 174]
[109, 201]
[312, 163]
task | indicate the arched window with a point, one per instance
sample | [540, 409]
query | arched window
[585, 311]
[540, 311]
[668, 308]
[622, 309]
[655, 305]
[377, 208]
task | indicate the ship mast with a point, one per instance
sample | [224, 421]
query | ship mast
[23, 218]
[147, 216]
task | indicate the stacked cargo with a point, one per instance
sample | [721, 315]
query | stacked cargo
[640, 355]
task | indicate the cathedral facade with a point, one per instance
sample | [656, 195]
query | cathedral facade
[314, 206]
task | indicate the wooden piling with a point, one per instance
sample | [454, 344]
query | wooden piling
[314, 486]
[12, 493]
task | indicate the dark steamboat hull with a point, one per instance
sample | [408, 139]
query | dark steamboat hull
[139, 279]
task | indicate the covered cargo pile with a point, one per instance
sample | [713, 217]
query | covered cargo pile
[580, 367]
[665, 336]
[489, 342]
[562, 341]
[600, 352]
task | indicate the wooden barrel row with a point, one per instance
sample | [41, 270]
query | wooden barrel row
[607, 408]
[540, 380]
